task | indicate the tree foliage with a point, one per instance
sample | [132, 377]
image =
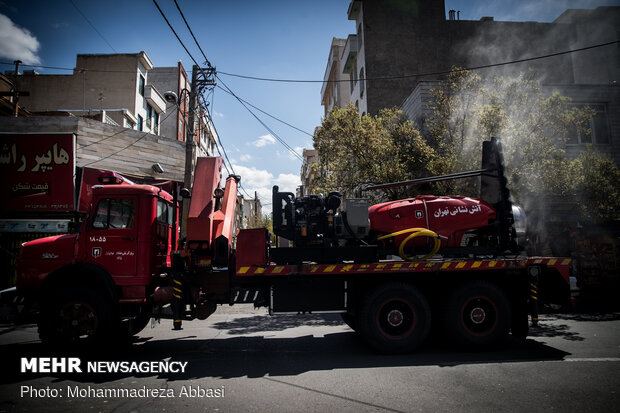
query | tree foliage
[356, 151]
[467, 109]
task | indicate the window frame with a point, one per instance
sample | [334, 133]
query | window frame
[600, 108]
[141, 85]
[129, 221]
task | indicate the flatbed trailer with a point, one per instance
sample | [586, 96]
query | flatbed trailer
[475, 302]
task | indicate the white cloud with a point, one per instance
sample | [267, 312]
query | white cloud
[17, 43]
[245, 157]
[218, 114]
[262, 182]
[252, 177]
[263, 141]
[288, 182]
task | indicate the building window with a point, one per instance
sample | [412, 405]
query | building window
[156, 122]
[353, 76]
[362, 82]
[599, 127]
[149, 116]
[141, 83]
[359, 37]
[129, 124]
[140, 123]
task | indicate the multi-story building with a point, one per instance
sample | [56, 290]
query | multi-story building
[115, 87]
[250, 212]
[401, 49]
[311, 156]
[334, 91]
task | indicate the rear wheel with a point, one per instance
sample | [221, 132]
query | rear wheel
[350, 320]
[395, 318]
[477, 315]
[137, 324]
[76, 316]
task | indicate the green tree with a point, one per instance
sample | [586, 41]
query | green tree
[468, 109]
[356, 151]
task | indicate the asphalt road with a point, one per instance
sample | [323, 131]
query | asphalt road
[241, 359]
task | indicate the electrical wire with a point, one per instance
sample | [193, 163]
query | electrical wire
[268, 114]
[219, 141]
[228, 91]
[192, 33]
[444, 72]
[275, 135]
[92, 25]
[198, 96]
[490, 65]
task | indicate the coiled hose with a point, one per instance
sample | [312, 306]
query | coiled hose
[413, 233]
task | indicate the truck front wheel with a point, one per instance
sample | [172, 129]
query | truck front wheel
[75, 316]
[395, 318]
[477, 315]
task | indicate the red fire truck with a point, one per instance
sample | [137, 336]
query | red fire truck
[393, 270]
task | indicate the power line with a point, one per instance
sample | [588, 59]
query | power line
[202, 71]
[220, 144]
[175, 33]
[444, 72]
[210, 115]
[92, 25]
[342, 80]
[271, 116]
[203, 104]
[275, 135]
[192, 33]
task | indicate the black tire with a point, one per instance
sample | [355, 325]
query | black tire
[520, 320]
[137, 324]
[477, 315]
[395, 318]
[350, 320]
[77, 316]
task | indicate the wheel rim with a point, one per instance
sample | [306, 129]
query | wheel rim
[479, 316]
[77, 320]
[396, 318]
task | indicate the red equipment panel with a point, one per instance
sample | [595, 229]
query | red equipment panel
[449, 217]
[207, 177]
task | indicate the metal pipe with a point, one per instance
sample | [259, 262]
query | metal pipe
[420, 181]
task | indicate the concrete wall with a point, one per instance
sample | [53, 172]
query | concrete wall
[98, 82]
[165, 79]
[130, 152]
[415, 105]
[398, 41]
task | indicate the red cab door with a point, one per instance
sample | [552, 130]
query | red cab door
[112, 236]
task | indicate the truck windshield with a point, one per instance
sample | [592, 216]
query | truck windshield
[164, 212]
[114, 213]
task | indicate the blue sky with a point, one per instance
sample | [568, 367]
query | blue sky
[287, 39]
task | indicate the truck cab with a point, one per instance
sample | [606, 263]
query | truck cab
[125, 242]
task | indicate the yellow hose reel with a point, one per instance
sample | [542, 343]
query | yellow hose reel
[413, 233]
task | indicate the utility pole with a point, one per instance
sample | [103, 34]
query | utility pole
[189, 149]
[200, 78]
[14, 93]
